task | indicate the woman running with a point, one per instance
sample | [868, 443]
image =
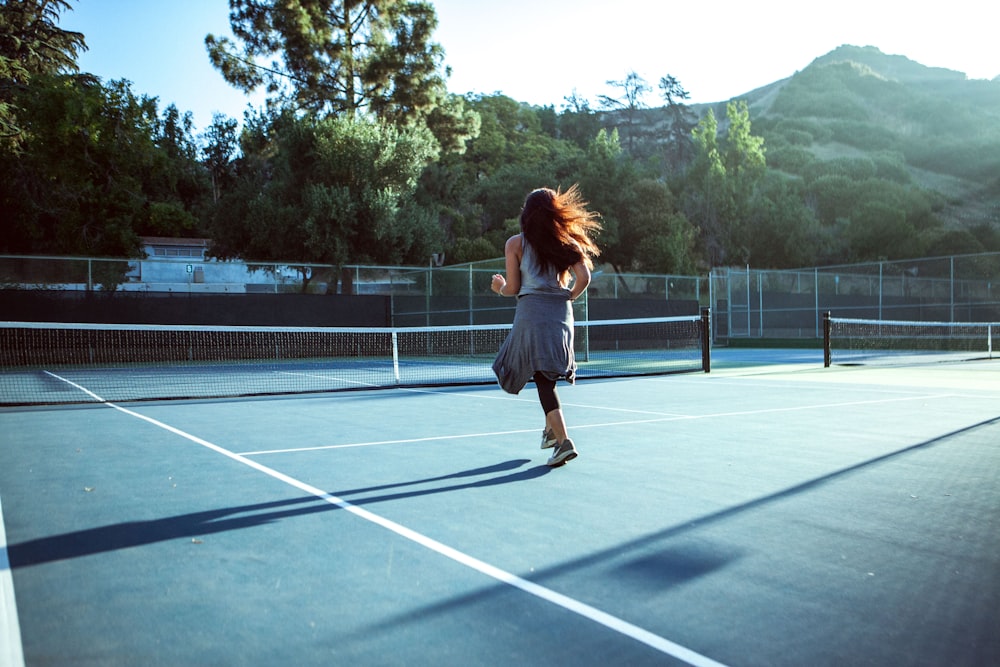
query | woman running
[548, 266]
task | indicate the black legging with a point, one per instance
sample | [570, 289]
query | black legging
[547, 393]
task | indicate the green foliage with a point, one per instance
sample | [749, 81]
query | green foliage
[578, 123]
[605, 178]
[853, 168]
[632, 91]
[798, 131]
[954, 242]
[880, 231]
[479, 193]
[820, 92]
[977, 161]
[786, 233]
[31, 45]
[336, 57]
[791, 159]
[331, 191]
[662, 240]
[98, 169]
[830, 197]
[891, 166]
[867, 156]
[864, 135]
[219, 150]
[722, 185]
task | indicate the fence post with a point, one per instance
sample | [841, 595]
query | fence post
[827, 355]
[760, 303]
[729, 302]
[706, 340]
[816, 297]
[748, 301]
[952, 310]
[880, 283]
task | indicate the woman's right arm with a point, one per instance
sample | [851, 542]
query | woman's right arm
[512, 263]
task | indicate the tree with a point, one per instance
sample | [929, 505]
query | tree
[633, 93]
[880, 231]
[344, 58]
[707, 202]
[220, 143]
[453, 123]
[31, 44]
[98, 169]
[785, 233]
[661, 238]
[577, 121]
[680, 122]
[721, 184]
[745, 166]
[511, 156]
[606, 177]
[331, 191]
[176, 183]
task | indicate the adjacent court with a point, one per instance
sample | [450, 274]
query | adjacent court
[771, 512]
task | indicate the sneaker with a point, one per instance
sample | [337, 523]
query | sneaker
[548, 438]
[563, 453]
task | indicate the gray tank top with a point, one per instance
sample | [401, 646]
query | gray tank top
[535, 279]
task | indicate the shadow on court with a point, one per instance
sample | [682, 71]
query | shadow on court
[199, 524]
[660, 565]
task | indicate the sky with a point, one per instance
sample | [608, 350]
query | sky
[542, 51]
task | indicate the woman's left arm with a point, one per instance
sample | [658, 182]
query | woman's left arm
[581, 273]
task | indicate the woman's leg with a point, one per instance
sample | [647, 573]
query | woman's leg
[551, 406]
[564, 450]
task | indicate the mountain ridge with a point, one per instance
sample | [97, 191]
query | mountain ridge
[857, 102]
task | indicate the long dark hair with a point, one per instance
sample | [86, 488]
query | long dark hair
[558, 225]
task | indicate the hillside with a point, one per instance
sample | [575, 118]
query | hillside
[930, 127]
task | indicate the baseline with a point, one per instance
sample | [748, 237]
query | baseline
[11, 649]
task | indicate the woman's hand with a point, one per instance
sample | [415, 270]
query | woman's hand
[499, 282]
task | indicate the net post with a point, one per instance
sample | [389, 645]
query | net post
[706, 340]
[827, 354]
[395, 356]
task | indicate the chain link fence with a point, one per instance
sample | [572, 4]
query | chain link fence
[751, 303]
[746, 303]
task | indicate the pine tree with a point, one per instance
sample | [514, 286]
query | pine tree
[336, 57]
[31, 44]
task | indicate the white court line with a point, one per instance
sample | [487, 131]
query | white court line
[632, 422]
[570, 604]
[335, 378]
[375, 443]
[450, 393]
[11, 650]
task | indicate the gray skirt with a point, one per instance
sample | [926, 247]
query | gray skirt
[541, 340]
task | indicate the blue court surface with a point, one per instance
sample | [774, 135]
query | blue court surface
[765, 513]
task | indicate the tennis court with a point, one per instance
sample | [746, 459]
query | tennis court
[771, 512]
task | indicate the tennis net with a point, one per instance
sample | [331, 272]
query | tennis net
[48, 363]
[849, 341]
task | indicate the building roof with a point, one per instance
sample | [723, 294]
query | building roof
[169, 241]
